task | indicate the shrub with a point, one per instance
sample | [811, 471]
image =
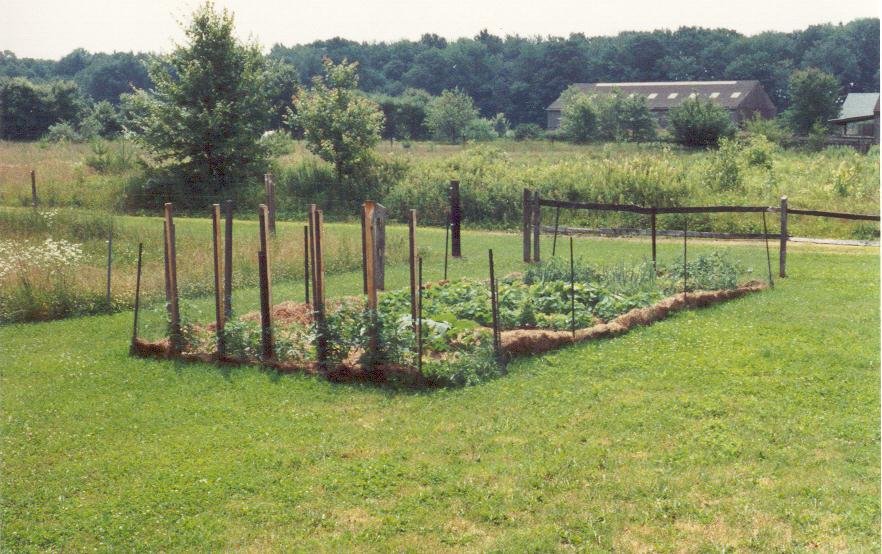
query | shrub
[527, 131]
[699, 122]
[771, 129]
[62, 131]
[500, 125]
[759, 151]
[724, 168]
[448, 115]
[479, 130]
[578, 118]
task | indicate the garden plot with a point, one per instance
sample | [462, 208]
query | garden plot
[538, 310]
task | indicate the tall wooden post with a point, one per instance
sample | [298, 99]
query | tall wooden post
[411, 261]
[218, 278]
[266, 304]
[306, 263]
[652, 225]
[368, 209]
[782, 256]
[537, 222]
[228, 260]
[316, 221]
[33, 188]
[528, 212]
[455, 220]
[174, 313]
[270, 184]
[107, 298]
[137, 299]
[363, 252]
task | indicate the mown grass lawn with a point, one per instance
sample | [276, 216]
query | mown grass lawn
[751, 425]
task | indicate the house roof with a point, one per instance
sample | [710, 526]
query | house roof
[858, 106]
[666, 95]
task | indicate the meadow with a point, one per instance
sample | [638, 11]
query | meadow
[744, 426]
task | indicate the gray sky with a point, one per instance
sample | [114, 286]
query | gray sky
[52, 28]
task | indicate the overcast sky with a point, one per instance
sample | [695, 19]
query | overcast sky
[52, 28]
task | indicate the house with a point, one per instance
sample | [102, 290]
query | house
[859, 116]
[742, 99]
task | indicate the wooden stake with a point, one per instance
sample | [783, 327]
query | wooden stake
[528, 219]
[537, 222]
[446, 244]
[264, 232]
[572, 291]
[420, 317]
[652, 225]
[137, 299]
[363, 251]
[266, 325]
[270, 185]
[782, 256]
[306, 263]
[34, 188]
[685, 267]
[174, 312]
[218, 279]
[556, 225]
[107, 298]
[411, 259]
[455, 220]
[494, 307]
[228, 260]
[768, 254]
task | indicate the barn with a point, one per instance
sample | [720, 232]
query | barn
[742, 99]
[859, 116]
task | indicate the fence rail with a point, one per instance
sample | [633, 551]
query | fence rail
[533, 204]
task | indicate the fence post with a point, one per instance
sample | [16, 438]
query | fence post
[263, 261]
[411, 260]
[218, 279]
[270, 185]
[572, 291]
[494, 308]
[685, 266]
[446, 243]
[528, 210]
[306, 264]
[556, 225]
[419, 328]
[172, 282]
[228, 260]
[455, 220]
[107, 299]
[33, 188]
[782, 257]
[537, 222]
[361, 217]
[316, 220]
[137, 299]
[378, 226]
[652, 224]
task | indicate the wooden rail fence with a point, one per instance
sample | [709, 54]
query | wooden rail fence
[533, 203]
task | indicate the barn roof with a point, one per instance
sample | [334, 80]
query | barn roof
[858, 106]
[666, 95]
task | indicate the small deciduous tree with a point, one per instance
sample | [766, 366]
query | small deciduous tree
[339, 123]
[210, 104]
[449, 114]
[578, 118]
[698, 122]
[814, 97]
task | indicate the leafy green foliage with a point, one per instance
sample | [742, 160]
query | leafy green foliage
[339, 124]
[28, 110]
[814, 96]
[202, 120]
[527, 131]
[448, 115]
[578, 118]
[698, 122]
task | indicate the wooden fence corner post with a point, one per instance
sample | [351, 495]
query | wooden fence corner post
[528, 210]
[174, 312]
[218, 279]
[266, 304]
[782, 257]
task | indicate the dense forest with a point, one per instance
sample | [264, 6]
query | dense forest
[520, 76]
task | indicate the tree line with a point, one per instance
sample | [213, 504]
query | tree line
[513, 75]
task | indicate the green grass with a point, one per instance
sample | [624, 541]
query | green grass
[752, 426]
